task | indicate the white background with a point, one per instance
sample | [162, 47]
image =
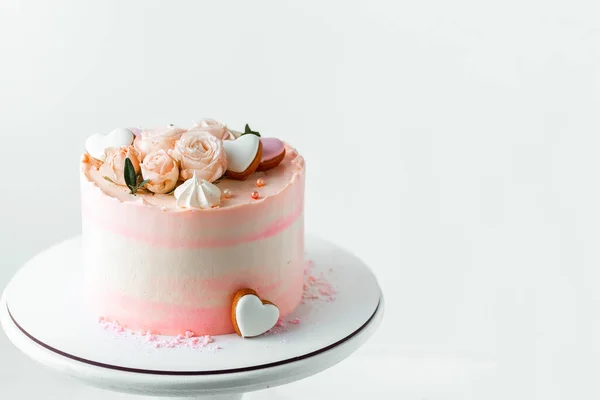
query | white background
[451, 145]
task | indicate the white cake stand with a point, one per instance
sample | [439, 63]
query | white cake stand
[42, 315]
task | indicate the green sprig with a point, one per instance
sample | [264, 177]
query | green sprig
[131, 177]
[248, 131]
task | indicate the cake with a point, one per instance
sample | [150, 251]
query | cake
[177, 221]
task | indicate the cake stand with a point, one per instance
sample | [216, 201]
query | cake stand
[42, 314]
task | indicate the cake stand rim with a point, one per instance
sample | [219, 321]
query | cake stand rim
[15, 324]
[202, 382]
[189, 385]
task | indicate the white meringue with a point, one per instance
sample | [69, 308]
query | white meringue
[197, 193]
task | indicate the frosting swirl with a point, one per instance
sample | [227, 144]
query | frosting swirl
[215, 128]
[201, 153]
[152, 140]
[161, 170]
[197, 193]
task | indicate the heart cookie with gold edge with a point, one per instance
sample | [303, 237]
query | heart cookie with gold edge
[243, 156]
[251, 315]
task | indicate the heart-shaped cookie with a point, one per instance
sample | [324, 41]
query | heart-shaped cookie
[243, 156]
[273, 152]
[251, 315]
[97, 143]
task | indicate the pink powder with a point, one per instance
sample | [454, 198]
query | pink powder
[317, 288]
[188, 339]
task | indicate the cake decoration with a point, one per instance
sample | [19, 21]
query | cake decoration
[114, 167]
[96, 144]
[161, 172]
[152, 140]
[130, 176]
[272, 155]
[248, 131]
[198, 193]
[243, 156]
[86, 158]
[142, 253]
[201, 153]
[251, 315]
[215, 128]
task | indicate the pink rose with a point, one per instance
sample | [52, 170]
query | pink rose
[114, 165]
[200, 152]
[161, 170]
[151, 140]
[213, 127]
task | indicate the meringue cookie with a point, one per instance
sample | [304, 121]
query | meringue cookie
[197, 193]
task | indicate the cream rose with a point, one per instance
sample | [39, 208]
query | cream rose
[213, 127]
[152, 140]
[161, 170]
[200, 152]
[114, 165]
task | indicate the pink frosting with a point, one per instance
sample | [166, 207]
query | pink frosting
[239, 219]
[168, 319]
[313, 292]
[123, 227]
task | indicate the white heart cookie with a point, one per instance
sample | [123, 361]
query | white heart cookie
[251, 315]
[243, 155]
[97, 143]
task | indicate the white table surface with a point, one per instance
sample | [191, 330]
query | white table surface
[453, 146]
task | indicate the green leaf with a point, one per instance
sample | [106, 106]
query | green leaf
[133, 189]
[108, 179]
[129, 174]
[248, 131]
[143, 183]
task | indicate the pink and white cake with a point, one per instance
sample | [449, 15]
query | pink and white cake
[178, 221]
